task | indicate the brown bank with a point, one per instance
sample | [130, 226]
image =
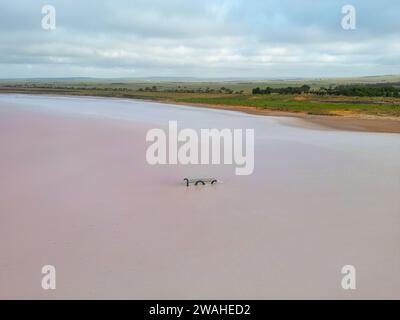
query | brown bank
[347, 122]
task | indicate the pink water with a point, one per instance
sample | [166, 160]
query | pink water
[76, 192]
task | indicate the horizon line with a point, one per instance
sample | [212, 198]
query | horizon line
[200, 78]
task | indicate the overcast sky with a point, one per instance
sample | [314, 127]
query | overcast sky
[199, 38]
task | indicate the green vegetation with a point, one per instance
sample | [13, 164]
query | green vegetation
[288, 90]
[309, 105]
[366, 90]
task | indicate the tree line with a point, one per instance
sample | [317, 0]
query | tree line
[180, 89]
[341, 90]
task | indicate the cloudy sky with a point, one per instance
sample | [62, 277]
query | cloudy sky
[199, 38]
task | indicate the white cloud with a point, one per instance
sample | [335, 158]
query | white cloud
[199, 38]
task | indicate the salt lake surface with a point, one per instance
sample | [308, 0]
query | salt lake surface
[76, 192]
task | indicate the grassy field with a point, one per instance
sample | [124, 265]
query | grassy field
[308, 104]
[210, 93]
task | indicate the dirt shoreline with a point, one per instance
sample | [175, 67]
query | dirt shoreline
[363, 123]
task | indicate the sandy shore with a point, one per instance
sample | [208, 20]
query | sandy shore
[361, 123]
[77, 193]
